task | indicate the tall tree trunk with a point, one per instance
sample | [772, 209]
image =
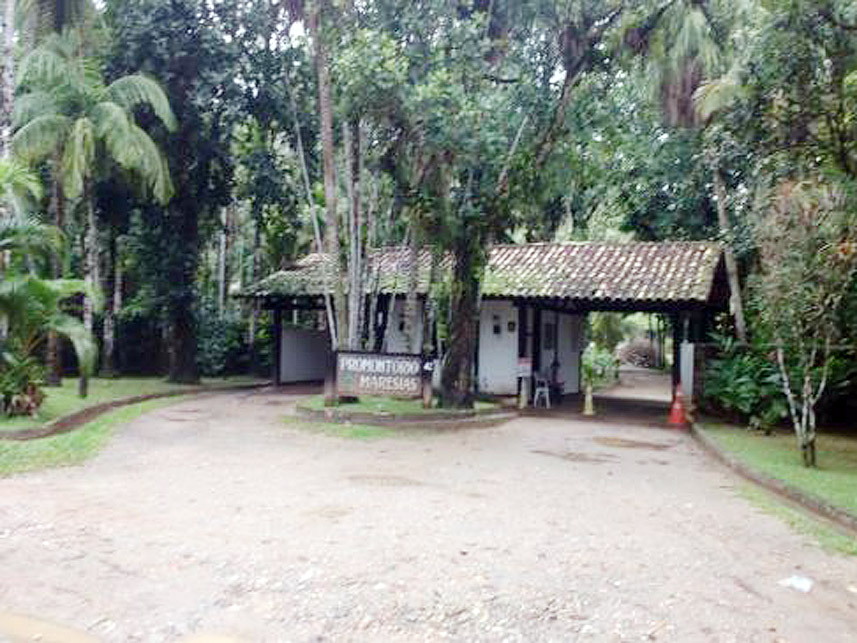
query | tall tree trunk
[7, 93]
[351, 138]
[255, 268]
[325, 109]
[91, 276]
[112, 304]
[181, 314]
[57, 207]
[371, 271]
[221, 262]
[411, 296]
[316, 229]
[729, 256]
[457, 375]
[91, 257]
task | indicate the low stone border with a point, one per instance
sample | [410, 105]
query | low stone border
[471, 417]
[808, 501]
[75, 420]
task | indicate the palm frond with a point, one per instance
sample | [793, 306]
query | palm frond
[41, 137]
[718, 95]
[26, 234]
[83, 342]
[695, 40]
[79, 156]
[148, 163]
[135, 90]
[31, 105]
[17, 180]
[113, 126]
[44, 66]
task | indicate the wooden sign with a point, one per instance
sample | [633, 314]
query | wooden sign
[390, 374]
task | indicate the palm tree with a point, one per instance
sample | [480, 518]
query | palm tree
[30, 306]
[68, 115]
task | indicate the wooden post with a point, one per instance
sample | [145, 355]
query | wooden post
[427, 388]
[537, 340]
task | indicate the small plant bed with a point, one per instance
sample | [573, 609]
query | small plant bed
[777, 456]
[64, 410]
[386, 411]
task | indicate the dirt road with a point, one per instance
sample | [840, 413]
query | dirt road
[214, 515]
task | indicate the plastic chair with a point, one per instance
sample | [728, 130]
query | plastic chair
[542, 390]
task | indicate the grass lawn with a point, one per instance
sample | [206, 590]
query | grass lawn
[73, 447]
[834, 481]
[828, 537]
[385, 405]
[64, 400]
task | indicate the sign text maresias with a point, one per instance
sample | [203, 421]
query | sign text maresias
[378, 374]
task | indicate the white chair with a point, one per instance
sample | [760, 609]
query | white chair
[542, 385]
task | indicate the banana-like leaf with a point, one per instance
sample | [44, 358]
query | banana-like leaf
[136, 89]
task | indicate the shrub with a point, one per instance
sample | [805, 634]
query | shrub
[221, 344]
[744, 382]
[20, 384]
[599, 366]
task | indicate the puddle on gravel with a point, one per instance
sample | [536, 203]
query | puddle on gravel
[633, 444]
[384, 481]
[574, 456]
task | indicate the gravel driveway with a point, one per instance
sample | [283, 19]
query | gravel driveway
[214, 515]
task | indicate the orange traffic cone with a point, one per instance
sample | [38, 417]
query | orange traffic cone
[678, 417]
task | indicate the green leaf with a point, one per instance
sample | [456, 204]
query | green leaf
[134, 90]
[41, 137]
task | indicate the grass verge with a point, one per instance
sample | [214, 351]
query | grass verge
[829, 538]
[341, 430]
[64, 400]
[385, 405]
[74, 447]
[777, 456]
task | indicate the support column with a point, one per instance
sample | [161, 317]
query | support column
[278, 345]
[678, 336]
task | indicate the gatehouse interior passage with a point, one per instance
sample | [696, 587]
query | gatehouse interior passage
[535, 299]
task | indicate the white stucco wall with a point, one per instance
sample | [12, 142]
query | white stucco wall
[570, 348]
[498, 352]
[304, 355]
[569, 340]
[686, 366]
[396, 338]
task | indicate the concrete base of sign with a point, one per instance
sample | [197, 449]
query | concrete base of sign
[437, 418]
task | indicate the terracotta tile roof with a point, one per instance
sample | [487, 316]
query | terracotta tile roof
[645, 272]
